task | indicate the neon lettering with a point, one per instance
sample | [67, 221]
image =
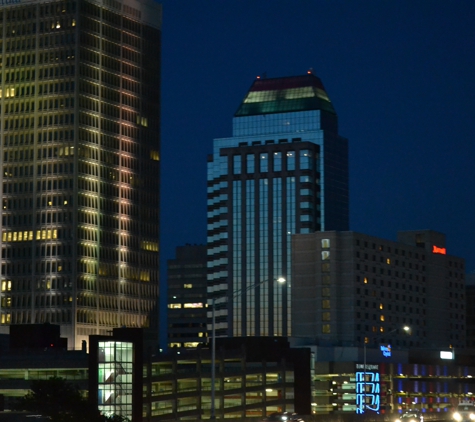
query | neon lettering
[386, 350]
[367, 392]
[436, 249]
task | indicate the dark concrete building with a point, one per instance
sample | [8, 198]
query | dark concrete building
[187, 297]
[470, 305]
[349, 288]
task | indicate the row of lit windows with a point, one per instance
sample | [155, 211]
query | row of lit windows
[192, 344]
[306, 161]
[52, 25]
[149, 246]
[325, 267]
[54, 152]
[185, 305]
[21, 91]
[27, 235]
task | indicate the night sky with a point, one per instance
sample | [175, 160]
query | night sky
[400, 74]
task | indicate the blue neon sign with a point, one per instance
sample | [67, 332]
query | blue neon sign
[386, 350]
[368, 391]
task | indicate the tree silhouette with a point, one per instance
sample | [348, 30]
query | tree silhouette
[61, 401]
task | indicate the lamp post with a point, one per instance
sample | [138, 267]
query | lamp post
[406, 329]
[213, 336]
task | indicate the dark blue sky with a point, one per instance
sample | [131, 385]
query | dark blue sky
[401, 76]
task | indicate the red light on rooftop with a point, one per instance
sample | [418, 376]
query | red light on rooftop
[436, 249]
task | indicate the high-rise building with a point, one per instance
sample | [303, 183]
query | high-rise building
[284, 171]
[351, 289]
[80, 101]
[186, 276]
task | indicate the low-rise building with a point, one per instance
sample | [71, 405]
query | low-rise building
[254, 377]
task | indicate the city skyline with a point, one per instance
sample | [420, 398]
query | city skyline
[398, 74]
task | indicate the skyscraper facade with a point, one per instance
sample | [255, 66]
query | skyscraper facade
[284, 171]
[80, 101]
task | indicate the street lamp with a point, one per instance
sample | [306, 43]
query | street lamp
[236, 293]
[406, 329]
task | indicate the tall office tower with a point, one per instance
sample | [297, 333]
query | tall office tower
[80, 100]
[284, 171]
[352, 289]
[186, 278]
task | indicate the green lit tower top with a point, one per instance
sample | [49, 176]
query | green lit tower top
[80, 147]
[284, 171]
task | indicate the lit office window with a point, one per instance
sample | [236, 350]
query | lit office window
[305, 160]
[264, 162]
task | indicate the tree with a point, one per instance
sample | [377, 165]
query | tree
[61, 401]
